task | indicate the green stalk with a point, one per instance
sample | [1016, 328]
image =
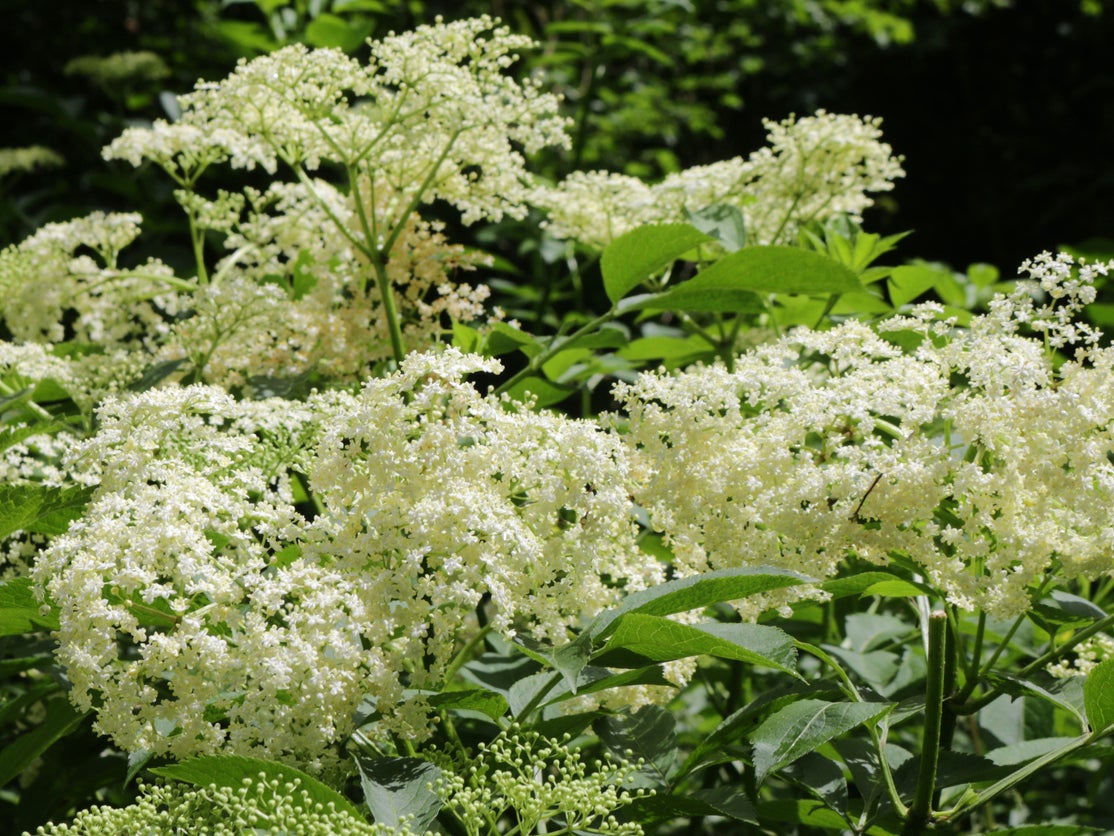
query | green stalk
[920, 812]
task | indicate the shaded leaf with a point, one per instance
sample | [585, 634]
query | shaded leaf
[61, 719]
[21, 611]
[649, 734]
[802, 726]
[398, 788]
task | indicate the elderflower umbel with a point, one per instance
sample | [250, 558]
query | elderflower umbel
[835, 443]
[813, 168]
[433, 115]
[200, 611]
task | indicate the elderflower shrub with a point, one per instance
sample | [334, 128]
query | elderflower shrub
[201, 611]
[974, 454]
[814, 168]
[259, 805]
[540, 780]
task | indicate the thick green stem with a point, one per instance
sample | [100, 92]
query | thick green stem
[920, 812]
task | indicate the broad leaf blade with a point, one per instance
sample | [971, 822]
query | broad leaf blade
[398, 788]
[661, 640]
[760, 270]
[61, 719]
[801, 727]
[697, 592]
[635, 256]
[1098, 696]
[21, 612]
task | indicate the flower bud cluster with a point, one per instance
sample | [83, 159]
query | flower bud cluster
[258, 805]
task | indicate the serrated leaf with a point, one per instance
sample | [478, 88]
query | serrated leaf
[231, 770]
[660, 639]
[40, 509]
[644, 252]
[21, 612]
[801, 727]
[1098, 696]
[569, 659]
[649, 733]
[822, 778]
[398, 788]
[697, 592]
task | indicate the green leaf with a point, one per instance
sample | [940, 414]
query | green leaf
[328, 30]
[760, 270]
[1098, 697]
[397, 788]
[649, 733]
[472, 699]
[697, 592]
[569, 660]
[543, 392]
[723, 222]
[643, 252]
[882, 584]
[40, 508]
[661, 640]
[728, 801]
[231, 770]
[801, 727]
[21, 611]
[61, 720]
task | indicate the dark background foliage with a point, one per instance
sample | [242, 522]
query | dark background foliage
[1005, 115]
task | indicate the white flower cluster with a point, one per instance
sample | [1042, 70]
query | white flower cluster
[830, 444]
[259, 805]
[432, 116]
[813, 168]
[51, 278]
[200, 610]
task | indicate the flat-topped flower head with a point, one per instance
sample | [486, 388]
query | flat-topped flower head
[975, 455]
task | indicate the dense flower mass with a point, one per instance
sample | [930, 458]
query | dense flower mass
[831, 444]
[202, 610]
[813, 168]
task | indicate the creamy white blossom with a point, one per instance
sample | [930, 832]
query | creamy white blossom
[201, 610]
[830, 444]
[812, 168]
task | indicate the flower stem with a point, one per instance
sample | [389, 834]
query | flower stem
[920, 812]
